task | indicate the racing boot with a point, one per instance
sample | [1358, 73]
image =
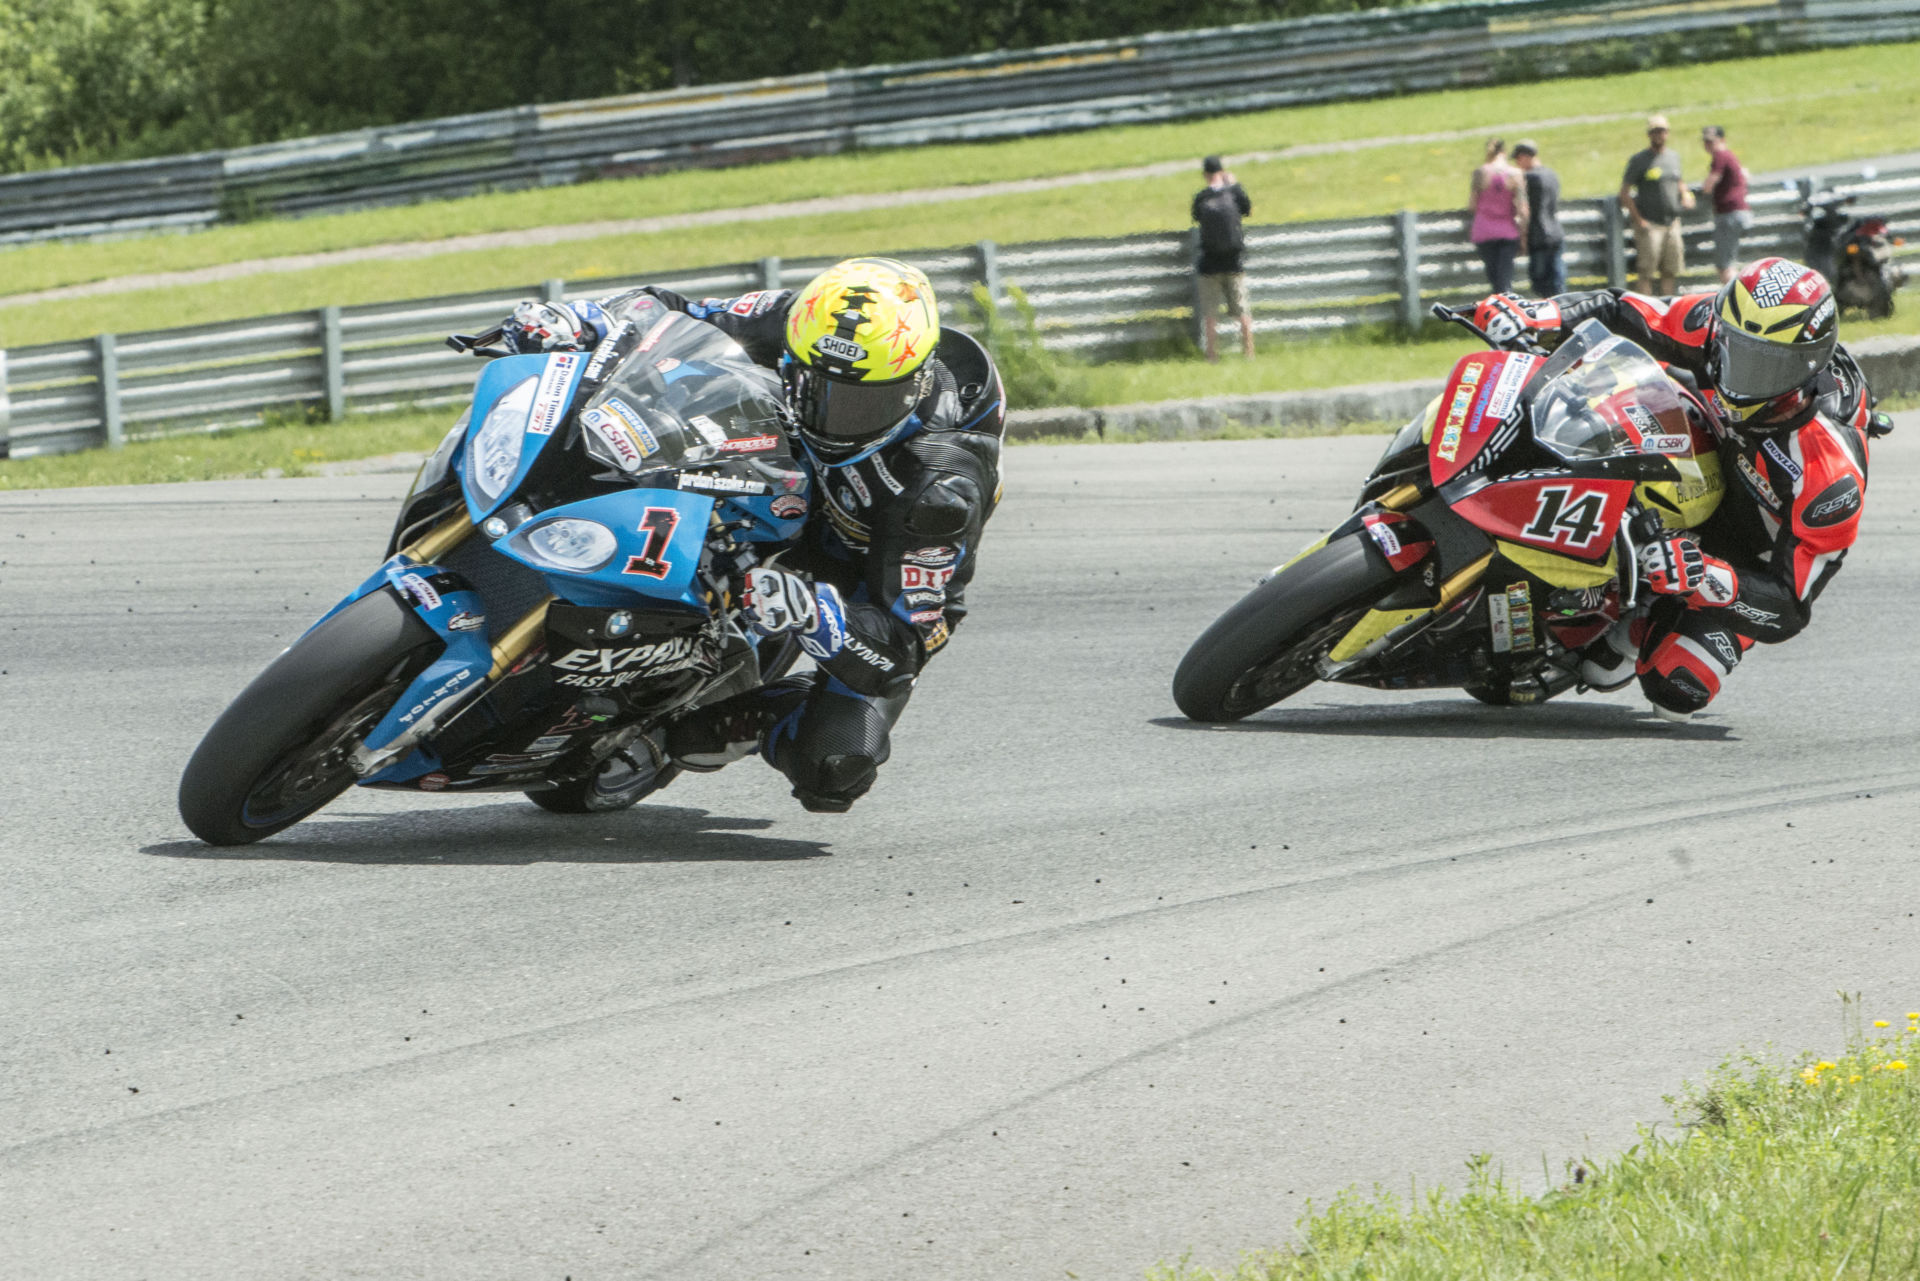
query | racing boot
[1607, 663]
[716, 736]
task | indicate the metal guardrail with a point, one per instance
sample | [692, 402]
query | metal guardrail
[1162, 76]
[1094, 298]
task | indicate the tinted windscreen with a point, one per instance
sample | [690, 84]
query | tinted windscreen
[680, 395]
[1609, 397]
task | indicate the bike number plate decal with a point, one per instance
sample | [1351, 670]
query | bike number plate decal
[1569, 517]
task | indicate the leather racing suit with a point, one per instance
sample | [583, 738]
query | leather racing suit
[1790, 510]
[896, 532]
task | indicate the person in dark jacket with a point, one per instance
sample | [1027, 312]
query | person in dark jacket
[901, 429]
[1546, 263]
[1218, 208]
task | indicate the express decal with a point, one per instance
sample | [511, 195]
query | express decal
[615, 668]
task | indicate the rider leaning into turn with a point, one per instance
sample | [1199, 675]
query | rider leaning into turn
[905, 465]
[1791, 413]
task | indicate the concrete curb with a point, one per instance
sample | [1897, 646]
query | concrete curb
[1891, 363]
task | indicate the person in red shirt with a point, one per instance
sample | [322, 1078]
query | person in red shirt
[1793, 416]
[1726, 186]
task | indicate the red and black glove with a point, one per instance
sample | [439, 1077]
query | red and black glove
[1507, 317]
[1674, 565]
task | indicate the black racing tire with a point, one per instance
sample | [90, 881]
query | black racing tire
[1263, 650]
[278, 752]
[615, 786]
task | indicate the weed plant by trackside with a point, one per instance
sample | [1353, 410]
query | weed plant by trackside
[1790, 1171]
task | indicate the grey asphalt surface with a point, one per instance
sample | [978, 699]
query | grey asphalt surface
[1077, 988]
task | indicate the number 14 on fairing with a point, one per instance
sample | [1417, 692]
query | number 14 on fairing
[1568, 516]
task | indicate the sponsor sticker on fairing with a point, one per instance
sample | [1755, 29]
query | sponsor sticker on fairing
[421, 590]
[1507, 388]
[432, 783]
[1663, 444]
[709, 430]
[1457, 412]
[1499, 622]
[626, 447]
[1520, 615]
[550, 400]
[789, 507]
[466, 621]
[434, 697]
[653, 335]
[704, 484]
[1383, 535]
[750, 444]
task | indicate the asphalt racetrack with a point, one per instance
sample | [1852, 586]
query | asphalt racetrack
[1077, 988]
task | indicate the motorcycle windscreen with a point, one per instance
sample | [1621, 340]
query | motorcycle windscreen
[686, 395]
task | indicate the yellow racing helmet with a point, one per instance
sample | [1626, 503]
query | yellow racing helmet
[1774, 328]
[859, 336]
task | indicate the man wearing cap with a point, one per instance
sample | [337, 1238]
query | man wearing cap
[1218, 208]
[1652, 195]
[1546, 268]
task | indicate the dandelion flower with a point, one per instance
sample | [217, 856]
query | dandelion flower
[1897, 1065]
[1913, 1014]
[1824, 1066]
[1879, 1022]
[1853, 1078]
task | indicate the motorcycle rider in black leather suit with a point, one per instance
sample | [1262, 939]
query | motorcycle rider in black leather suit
[901, 427]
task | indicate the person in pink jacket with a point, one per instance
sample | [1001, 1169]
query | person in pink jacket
[1498, 203]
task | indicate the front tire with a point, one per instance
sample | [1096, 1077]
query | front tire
[1265, 648]
[279, 752]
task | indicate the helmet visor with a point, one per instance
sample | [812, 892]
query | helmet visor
[836, 413]
[1755, 369]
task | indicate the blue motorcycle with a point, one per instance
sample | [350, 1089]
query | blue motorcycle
[558, 587]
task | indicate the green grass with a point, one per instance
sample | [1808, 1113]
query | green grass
[287, 449]
[1775, 1171]
[1858, 103]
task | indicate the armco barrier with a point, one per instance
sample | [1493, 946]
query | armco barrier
[1094, 298]
[1016, 93]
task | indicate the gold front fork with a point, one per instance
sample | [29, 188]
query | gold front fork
[439, 540]
[517, 640]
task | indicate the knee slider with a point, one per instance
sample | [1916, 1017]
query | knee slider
[833, 783]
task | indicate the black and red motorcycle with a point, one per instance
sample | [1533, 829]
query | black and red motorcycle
[1494, 540]
[1854, 252]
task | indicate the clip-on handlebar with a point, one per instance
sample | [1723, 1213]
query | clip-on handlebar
[1463, 317]
[480, 345]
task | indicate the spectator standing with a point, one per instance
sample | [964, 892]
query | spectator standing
[1726, 186]
[1546, 265]
[1653, 198]
[1497, 200]
[1218, 208]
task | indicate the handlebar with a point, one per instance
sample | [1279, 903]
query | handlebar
[480, 345]
[1463, 317]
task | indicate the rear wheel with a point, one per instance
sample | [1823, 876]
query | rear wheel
[279, 752]
[1267, 647]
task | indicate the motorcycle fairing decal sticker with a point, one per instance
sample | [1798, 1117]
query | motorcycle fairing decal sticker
[1574, 517]
[1506, 389]
[1520, 615]
[1464, 389]
[556, 387]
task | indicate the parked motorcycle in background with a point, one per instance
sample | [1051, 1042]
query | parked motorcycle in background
[1853, 251]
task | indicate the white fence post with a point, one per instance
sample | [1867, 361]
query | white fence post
[6, 410]
[333, 364]
[770, 273]
[553, 291]
[107, 364]
[1406, 242]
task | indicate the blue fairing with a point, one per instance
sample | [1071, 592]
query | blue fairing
[554, 378]
[659, 536]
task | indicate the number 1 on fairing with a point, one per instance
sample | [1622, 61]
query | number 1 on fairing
[658, 525]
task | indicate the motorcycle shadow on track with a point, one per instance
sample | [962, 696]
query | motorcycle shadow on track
[1450, 718]
[506, 835]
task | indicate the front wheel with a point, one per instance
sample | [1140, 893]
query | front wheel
[1266, 647]
[279, 752]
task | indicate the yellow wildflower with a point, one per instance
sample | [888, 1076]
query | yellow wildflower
[1898, 1065]
[1824, 1066]
[1879, 1022]
[1853, 1078]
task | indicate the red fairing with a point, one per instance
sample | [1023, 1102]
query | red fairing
[1572, 517]
[1390, 531]
[1482, 393]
